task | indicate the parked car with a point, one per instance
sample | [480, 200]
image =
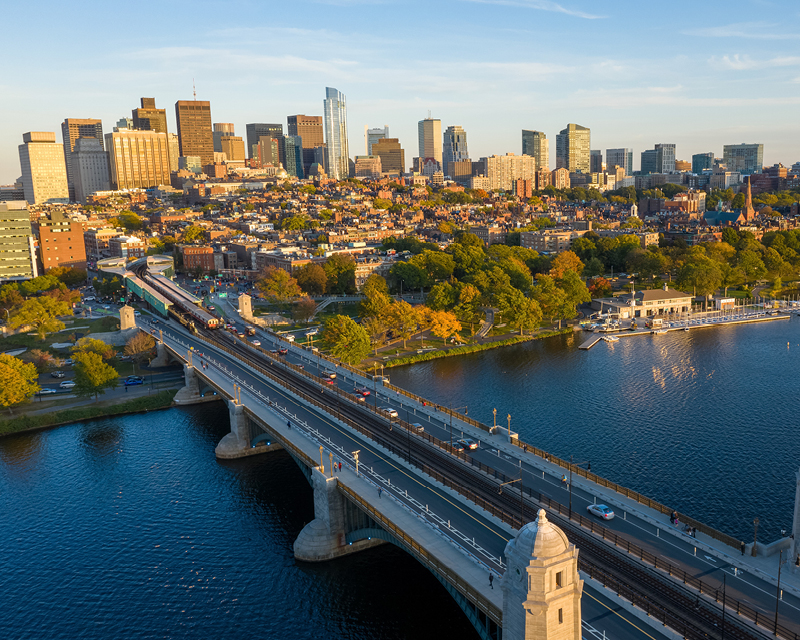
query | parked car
[132, 380]
[392, 412]
[601, 511]
[89, 299]
[57, 374]
[469, 443]
[69, 362]
[67, 384]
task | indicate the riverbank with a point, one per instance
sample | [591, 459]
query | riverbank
[472, 348]
[21, 423]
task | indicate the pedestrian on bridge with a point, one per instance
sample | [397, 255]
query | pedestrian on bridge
[380, 491]
[491, 581]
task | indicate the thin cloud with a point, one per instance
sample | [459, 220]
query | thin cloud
[745, 63]
[749, 30]
[541, 5]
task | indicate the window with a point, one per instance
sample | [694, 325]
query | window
[559, 579]
[560, 616]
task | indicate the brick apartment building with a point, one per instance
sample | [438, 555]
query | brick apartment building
[194, 257]
[61, 242]
[126, 247]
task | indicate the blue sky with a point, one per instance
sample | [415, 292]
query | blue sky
[699, 74]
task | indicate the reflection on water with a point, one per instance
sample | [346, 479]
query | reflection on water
[704, 420]
[130, 528]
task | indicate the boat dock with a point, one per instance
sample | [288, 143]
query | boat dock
[687, 325]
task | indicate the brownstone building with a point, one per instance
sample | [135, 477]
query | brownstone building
[61, 242]
[195, 135]
[194, 257]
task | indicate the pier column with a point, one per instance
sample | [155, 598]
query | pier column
[237, 443]
[190, 393]
[541, 586]
[162, 358]
[324, 537]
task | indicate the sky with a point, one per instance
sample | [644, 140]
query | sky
[699, 74]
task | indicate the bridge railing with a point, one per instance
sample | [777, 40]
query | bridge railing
[725, 538]
[428, 560]
[517, 520]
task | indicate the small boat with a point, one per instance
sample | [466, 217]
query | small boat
[658, 332]
[611, 338]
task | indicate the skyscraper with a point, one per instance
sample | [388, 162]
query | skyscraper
[596, 161]
[503, 171]
[44, 172]
[534, 143]
[221, 130]
[293, 153]
[233, 148]
[391, 154]
[17, 256]
[138, 159]
[371, 136]
[194, 129]
[89, 168]
[258, 130]
[71, 130]
[454, 147]
[335, 114]
[744, 158]
[430, 139]
[620, 158]
[148, 118]
[309, 128]
[702, 161]
[649, 161]
[573, 145]
[665, 158]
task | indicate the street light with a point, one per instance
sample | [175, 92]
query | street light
[494, 420]
[521, 495]
[509, 428]
[778, 594]
[355, 456]
[571, 465]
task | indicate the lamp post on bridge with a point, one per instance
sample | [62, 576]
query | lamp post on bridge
[494, 420]
[571, 465]
[466, 411]
[321, 465]
[778, 594]
[509, 428]
[355, 456]
[754, 553]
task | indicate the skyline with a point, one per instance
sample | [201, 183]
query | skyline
[468, 62]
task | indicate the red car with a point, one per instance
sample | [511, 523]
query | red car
[362, 392]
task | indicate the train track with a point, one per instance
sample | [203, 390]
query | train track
[664, 599]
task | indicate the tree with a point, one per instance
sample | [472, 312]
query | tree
[731, 276]
[92, 345]
[442, 297]
[565, 261]
[376, 330]
[312, 279]
[194, 234]
[44, 361]
[304, 309]
[40, 313]
[551, 299]
[36, 285]
[278, 285]
[443, 324]
[70, 276]
[10, 297]
[575, 290]
[752, 265]
[527, 315]
[92, 375]
[403, 319]
[341, 271]
[702, 275]
[376, 297]
[17, 380]
[347, 340]
[130, 220]
[140, 347]
[469, 240]
[600, 288]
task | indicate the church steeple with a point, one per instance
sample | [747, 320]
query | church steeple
[749, 212]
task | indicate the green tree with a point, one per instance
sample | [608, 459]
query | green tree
[70, 276]
[469, 240]
[194, 234]
[304, 309]
[341, 271]
[442, 297]
[403, 320]
[92, 375]
[700, 274]
[18, 380]
[376, 297]
[346, 339]
[10, 297]
[409, 275]
[312, 279]
[551, 298]
[738, 201]
[88, 344]
[575, 290]
[36, 285]
[278, 286]
[40, 313]
[751, 265]
[130, 221]
[730, 236]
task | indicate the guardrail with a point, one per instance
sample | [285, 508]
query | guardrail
[463, 587]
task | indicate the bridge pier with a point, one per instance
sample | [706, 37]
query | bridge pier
[324, 537]
[163, 357]
[237, 444]
[190, 392]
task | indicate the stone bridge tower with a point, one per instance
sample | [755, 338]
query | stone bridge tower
[541, 586]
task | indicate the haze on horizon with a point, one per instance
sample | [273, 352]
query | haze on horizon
[699, 75]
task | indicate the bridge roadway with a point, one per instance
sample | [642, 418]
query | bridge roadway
[636, 525]
[601, 612]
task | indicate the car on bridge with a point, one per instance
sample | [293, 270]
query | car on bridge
[256, 342]
[283, 352]
[469, 443]
[601, 511]
[416, 427]
[458, 445]
[392, 412]
[361, 391]
[330, 375]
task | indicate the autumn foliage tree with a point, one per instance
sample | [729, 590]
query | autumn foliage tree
[41, 314]
[278, 286]
[17, 380]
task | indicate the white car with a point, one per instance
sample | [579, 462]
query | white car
[46, 391]
[67, 384]
[256, 342]
[330, 375]
[601, 511]
[392, 412]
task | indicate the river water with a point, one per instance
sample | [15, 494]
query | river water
[130, 528]
[704, 421]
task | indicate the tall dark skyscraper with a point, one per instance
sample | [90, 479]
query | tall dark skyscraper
[71, 130]
[258, 130]
[454, 146]
[309, 128]
[701, 161]
[195, 136]
[148, 118]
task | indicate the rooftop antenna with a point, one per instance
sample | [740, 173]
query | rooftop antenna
[429, 114]
[194, 90]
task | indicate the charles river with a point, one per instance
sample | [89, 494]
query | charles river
[130, 528]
